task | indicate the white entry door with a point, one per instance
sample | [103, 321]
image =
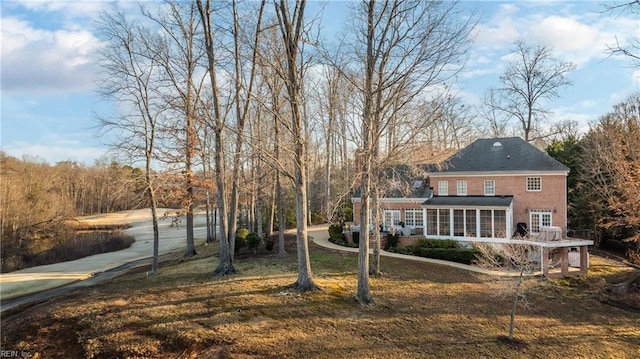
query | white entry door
[538, 219]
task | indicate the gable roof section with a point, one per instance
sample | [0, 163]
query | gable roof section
[511, 154]
[423, 192]
[403, 181]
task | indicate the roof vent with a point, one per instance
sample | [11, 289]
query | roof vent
[497, 144]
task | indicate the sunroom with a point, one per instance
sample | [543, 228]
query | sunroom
[469, 218]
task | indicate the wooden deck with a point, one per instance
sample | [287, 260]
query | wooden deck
[548, 249]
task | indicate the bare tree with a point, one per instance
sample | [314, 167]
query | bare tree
[243, 96]
[242, 87]
[405, 48]
[532, 78]
[130, 78]
[292, 28]
[498, 122]
[631, 48]
[225, 254]
[511, 265]
[179, 56]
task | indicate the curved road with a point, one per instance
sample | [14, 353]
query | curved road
[20, 287]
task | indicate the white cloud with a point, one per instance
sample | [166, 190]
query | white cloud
[577, 31]
[500, 30]
[41, 60]
[582, 38]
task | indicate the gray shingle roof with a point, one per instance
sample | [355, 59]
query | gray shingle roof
[500, 154]
[469, 201]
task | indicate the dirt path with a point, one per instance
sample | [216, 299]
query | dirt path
[89, 270]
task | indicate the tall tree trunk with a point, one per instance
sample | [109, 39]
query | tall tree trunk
[514, 306]
[291, 29]
[374, 269]
[281, 219]
[280, 200]
[225, 255]
[156, 235]
[272, 211]
[154, 215]
[363, 293]
[208, 214]
[190, 148]
[241, 113]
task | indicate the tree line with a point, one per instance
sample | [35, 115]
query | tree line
[604, 182]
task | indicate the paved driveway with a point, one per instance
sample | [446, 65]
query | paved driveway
[31, 280]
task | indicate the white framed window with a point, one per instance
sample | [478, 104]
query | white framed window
[444, 222]
[489, 188]
[432, 222]
[539, 218]
[534, 184]
[469, 223]
[443, 188]
[461, 187]
[391, 217]
[413, 218]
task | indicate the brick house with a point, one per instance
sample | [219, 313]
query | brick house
[491, 186]
[486, 190]
[489, 191]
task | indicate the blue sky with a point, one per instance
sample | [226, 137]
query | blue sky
[48, 66]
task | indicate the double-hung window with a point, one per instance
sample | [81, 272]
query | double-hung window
[443, 188]
[461, 187]
[489, 188]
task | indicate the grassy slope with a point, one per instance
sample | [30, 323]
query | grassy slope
[421, 311]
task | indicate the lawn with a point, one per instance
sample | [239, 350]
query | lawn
[421, 310]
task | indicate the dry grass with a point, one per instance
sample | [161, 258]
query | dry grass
[421, 311]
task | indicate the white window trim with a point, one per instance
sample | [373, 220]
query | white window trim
[478, 230]
[443, 188]
[395, 214]
[417, 214]
[527, 184]
[493, 187]
[461, 187]
[539, 213]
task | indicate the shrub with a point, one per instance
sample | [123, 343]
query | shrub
[409, 250]
[252, 241]
[241, 239]
[242, 233]
[317, 218]
[437, 243]
[340, 242]
[335, 230]
[392, 240]
[269, 243]
[459, 255]
[348, 214]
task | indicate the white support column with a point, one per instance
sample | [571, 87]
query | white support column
[451, 222]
